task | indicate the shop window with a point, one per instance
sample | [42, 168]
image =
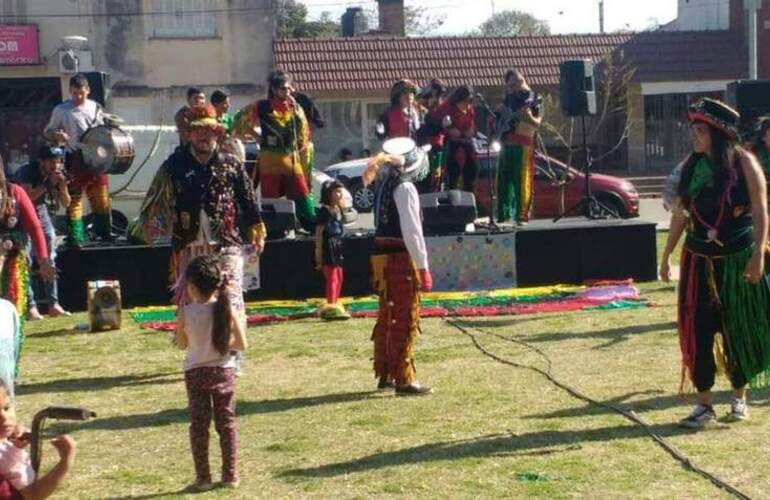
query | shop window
[187, 20]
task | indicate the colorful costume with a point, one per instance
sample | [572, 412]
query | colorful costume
[284, 146]
[399, 270]
[462, 165]
[75, 121]
[516, 166]
[332, 260]
[515, 178]
[201, 205]
[714, 297]
[16, 225]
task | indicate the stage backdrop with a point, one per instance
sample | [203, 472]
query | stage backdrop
[472, 261]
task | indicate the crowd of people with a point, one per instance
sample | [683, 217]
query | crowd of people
[204, 199]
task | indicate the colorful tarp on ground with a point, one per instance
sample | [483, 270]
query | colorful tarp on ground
[513, 301]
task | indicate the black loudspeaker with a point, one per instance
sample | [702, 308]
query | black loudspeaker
[751, 98]
[99, 83]
[279, 217]
[576, 87]
[447, 212]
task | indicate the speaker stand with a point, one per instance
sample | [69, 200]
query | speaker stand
[589, 207]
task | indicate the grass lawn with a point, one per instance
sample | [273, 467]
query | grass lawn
[312, 426]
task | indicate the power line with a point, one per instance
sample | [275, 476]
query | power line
[177, 12]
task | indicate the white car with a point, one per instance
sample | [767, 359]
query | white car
[349, 173]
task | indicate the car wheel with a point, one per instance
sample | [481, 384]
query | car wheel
[613, 203]
[363, 196]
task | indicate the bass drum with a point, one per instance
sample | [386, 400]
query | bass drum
[107, 150]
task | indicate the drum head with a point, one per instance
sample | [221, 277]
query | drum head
[98, 150]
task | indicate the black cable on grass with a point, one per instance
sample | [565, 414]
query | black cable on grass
[686, 462]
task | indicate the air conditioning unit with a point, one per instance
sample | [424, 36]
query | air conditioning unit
[75, 61]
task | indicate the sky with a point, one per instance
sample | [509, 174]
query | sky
[564, 16]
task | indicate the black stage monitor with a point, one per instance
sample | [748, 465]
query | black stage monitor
[279, 217]
[447, 212]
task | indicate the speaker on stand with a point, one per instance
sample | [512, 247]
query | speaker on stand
[751, 98]
[577, 92]
[99, 82]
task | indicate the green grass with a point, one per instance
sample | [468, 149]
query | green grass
[676, 254]
[311, 425]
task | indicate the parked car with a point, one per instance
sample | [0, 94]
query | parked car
[618, 194]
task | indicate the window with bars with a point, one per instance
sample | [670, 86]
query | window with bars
[186, 21]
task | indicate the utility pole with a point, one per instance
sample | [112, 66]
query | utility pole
[752, 6]
[601, 16]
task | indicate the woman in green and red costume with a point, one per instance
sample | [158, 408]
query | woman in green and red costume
[18, 223]
[283, 131]
[724, 286]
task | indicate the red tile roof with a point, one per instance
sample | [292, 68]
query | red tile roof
[374, 63]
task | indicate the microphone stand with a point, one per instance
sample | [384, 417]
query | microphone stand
[492, 189]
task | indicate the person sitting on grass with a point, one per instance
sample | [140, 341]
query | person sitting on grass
[328, 248]
[17, 478]
[208, 328]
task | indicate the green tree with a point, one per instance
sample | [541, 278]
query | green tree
[292, 22]
[512, 23]
[420, 22]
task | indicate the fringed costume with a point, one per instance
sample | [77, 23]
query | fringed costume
[724, 321]
[19, 223]
[201, 207]
[285, 151]
[399, 270]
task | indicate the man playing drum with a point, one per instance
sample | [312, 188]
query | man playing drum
[69, 121]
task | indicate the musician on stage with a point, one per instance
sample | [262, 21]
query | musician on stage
[516, 166]
[69, 121]
[432, 132]
[221, 102]
[282, 128]
[195, 97]
[198, 197]
[46, 184]
[399, 263]
[459, 120]
[401, 119]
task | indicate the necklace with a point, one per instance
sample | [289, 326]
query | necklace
[713, 232]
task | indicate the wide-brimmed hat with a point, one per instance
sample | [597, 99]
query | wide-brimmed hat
[204, 116]
[717, 114]
[405, 148]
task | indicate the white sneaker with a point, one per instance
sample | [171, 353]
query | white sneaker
[701, 416]
[739, 411]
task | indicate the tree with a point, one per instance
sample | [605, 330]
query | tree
[292, 22]
[419, 22]
[512, 23]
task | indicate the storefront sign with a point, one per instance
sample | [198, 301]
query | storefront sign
[19, 45]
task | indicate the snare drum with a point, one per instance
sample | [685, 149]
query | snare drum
[107, 149]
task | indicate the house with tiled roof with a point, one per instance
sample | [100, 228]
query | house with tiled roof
[351, 76]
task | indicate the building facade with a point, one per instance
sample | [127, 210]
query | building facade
[151, 52]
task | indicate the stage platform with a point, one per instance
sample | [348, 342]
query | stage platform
[571, 251]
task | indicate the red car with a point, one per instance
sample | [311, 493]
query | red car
[614, 192]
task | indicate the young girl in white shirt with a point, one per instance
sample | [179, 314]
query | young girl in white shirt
[208, 329]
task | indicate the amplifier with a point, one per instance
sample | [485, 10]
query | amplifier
[279, 217]
[447, 212]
